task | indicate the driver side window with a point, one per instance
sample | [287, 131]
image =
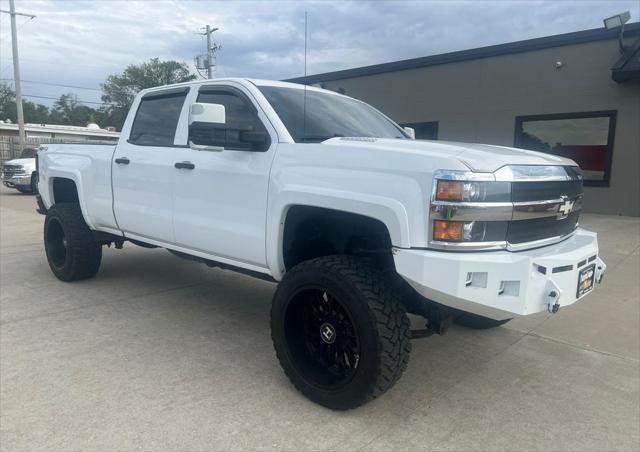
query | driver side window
[241, 127]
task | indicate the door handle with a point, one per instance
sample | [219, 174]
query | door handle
[122, 161]
[184, 165]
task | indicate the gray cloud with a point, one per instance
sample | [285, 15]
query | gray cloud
[79, 42]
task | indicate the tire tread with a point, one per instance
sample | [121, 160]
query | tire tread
[85, 252]
[388, 317]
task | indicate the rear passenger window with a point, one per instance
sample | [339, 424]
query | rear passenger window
[157, 118]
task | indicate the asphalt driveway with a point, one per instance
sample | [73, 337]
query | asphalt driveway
[160, 353]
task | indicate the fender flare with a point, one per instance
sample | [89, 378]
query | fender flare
[386, 210]
[75, 176]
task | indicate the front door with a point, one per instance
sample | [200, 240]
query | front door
[143, 168]
[220, 197]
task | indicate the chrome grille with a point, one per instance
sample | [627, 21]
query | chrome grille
[11, 170]
[543, 210]
[541, 228]
[542, 206]
[540, 191]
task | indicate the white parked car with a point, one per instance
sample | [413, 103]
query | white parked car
[357, 222]
[20, 173]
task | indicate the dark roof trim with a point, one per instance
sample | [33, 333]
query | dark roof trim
[166, 93]
[578, 37]
[628, 66]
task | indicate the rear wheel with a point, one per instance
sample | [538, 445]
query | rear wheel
[478, 322]
[72, 252]
[341, 335]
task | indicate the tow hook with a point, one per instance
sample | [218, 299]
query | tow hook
[601, 268]
[552, 297]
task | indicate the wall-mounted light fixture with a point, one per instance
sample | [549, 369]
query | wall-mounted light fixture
[616, 21]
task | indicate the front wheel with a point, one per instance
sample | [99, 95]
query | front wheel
[340, 333]
[72, 252]
[34, 184]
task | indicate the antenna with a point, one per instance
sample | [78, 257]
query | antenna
[304, 102]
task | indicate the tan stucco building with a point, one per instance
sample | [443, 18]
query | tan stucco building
[573, 94]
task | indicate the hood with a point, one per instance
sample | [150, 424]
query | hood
[477, 157]
[27, 163]
[489, 158]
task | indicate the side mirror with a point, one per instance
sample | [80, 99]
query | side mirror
[207, 113]
[204, 130]
[411, 132]
[258, 139]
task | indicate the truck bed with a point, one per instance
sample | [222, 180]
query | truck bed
[90, 165]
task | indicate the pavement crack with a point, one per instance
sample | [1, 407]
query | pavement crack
[579, 347]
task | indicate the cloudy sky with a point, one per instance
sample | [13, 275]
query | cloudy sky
[78, 42]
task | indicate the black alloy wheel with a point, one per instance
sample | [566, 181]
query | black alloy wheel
[72, 251]
[324, 342]
[340, 331]
[56, 243]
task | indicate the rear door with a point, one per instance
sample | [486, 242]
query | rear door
[143, 167]
[220, 201]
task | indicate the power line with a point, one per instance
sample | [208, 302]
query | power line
[80, 101]
[66, 63]
[53, 84]
[27, 19]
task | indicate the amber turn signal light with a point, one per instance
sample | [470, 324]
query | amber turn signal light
[449, 190]
[448, 231]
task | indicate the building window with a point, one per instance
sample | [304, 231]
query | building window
[424, 130]
[586, 138]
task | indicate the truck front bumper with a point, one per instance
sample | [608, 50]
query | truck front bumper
[16, 179]
[503, 284]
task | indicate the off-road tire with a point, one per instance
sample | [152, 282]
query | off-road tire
[76, 255]
[478, 322]
[34, 183]
[377, 315]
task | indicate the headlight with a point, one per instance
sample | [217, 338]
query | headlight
[469, 231]
[449, 231]
[467, 209]
[471, 191]
[457, 191]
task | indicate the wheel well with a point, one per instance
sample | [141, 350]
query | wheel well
[311, 232]
[64, 190]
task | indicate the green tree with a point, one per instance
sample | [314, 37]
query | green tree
[119, 90]
[7, 103]
[33, 113]
[67, 110]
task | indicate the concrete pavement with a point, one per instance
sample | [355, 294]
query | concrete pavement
[160, 353]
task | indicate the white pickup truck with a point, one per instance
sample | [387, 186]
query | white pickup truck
[359, 223]
[20, 173]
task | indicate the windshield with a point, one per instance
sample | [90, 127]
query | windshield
[327, 115]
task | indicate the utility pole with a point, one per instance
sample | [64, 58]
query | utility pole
[209, 52]
[211, 49]
[16, 69]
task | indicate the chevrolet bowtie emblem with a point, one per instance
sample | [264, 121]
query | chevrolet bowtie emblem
[565, 208]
